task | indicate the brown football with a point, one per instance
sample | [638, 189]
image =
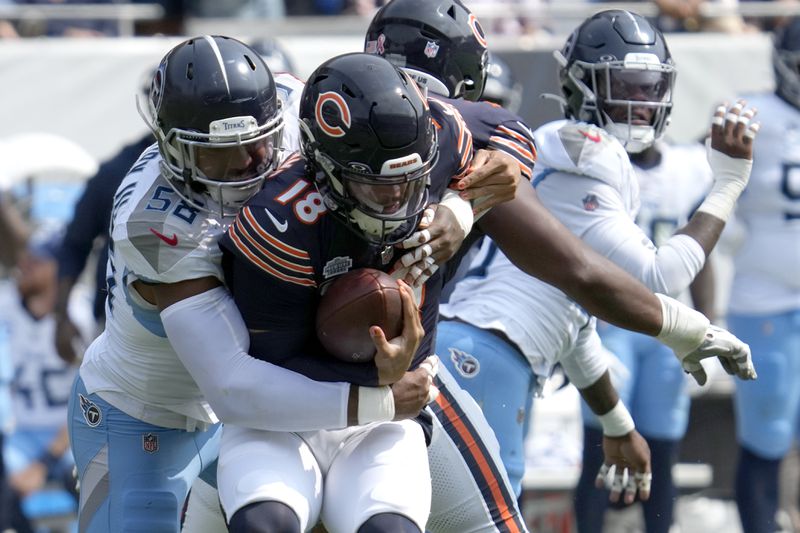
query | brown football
[351, 304]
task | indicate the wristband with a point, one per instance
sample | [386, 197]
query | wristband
[617, 422]
[461, 208]
[682, 328]
[375, 404]
[730, 178]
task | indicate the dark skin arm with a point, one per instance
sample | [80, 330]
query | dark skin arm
[629, 451]
[539, 245]
[730, 139]
[703, 291]
[14, 232]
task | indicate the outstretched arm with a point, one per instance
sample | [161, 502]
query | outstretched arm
[538, 244]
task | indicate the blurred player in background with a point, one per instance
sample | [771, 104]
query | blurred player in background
[673, 181]
[501, 88]
[89, 224]
[764, 307]
[37, 451]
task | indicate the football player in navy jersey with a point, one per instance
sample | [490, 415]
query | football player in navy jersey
[375, 152]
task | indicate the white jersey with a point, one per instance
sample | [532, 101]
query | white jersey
[672, 190]
[584, 176]
[157, 237]
[289, 91]
[42, 381]
[767, 266]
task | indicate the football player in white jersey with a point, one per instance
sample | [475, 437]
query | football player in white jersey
[673, 181]
[764, 305]
[618, 92]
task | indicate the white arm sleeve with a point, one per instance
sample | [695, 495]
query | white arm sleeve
[586, 362]
[608, 227]
[211, 340]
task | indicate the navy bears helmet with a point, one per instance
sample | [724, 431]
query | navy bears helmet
[368, 136]
[439, 43]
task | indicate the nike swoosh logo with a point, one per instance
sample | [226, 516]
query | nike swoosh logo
[594, 137]
[171, 241]
[281, 226]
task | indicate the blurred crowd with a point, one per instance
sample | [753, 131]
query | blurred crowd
[518, 17]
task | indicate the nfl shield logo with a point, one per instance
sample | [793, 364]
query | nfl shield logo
[590, 202]
[150, 443]
[431, 49]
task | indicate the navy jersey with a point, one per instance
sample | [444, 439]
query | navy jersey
[284, 246]
[496, 128]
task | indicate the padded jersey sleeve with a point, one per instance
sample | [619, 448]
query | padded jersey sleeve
[455, 138]
[158, 249]
[494, 127]
[596, 212]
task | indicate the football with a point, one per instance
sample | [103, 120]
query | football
[351, 304]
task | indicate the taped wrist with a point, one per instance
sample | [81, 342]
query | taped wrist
[683, 329]
[461, 208]
[617, 422]
[375, 404]
[730, 178]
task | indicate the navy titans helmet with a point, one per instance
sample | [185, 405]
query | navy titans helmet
[614, 65]
[214, 110]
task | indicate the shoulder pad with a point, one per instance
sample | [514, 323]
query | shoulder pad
[289, 91]
[583, 149]
[169, 245]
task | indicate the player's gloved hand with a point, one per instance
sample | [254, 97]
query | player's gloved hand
[730, 154]
[493, 179]
[626, 467]
[439, 235]
[416, 389]
[733, 354]
[394, 356]
[692, 337]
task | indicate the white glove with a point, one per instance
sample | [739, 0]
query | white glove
[693, 338]
[732, 353]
